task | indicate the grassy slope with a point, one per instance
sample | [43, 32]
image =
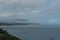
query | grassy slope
[4, 35]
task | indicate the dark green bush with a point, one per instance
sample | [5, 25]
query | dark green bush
[4, 35]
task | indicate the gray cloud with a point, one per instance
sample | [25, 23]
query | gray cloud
[33, 10]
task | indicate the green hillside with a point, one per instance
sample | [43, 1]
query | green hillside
[4, 35]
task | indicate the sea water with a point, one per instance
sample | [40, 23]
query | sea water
[34, 32]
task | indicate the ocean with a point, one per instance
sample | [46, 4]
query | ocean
[34, 32]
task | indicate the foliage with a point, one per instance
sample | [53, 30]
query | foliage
[4, 35]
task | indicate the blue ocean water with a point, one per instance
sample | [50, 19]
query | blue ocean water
[36, 32]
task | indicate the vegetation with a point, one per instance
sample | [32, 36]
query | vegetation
[4, 35]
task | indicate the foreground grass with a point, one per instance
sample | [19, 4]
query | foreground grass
[4, 35]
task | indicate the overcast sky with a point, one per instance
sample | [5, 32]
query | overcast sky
[38, 11]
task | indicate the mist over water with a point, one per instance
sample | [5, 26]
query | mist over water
[35, 32]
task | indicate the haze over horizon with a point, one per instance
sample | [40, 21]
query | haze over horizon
[35, 11]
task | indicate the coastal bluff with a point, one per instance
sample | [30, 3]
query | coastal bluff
[4, 35]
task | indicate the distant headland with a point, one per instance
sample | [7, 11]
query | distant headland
[1, 24]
